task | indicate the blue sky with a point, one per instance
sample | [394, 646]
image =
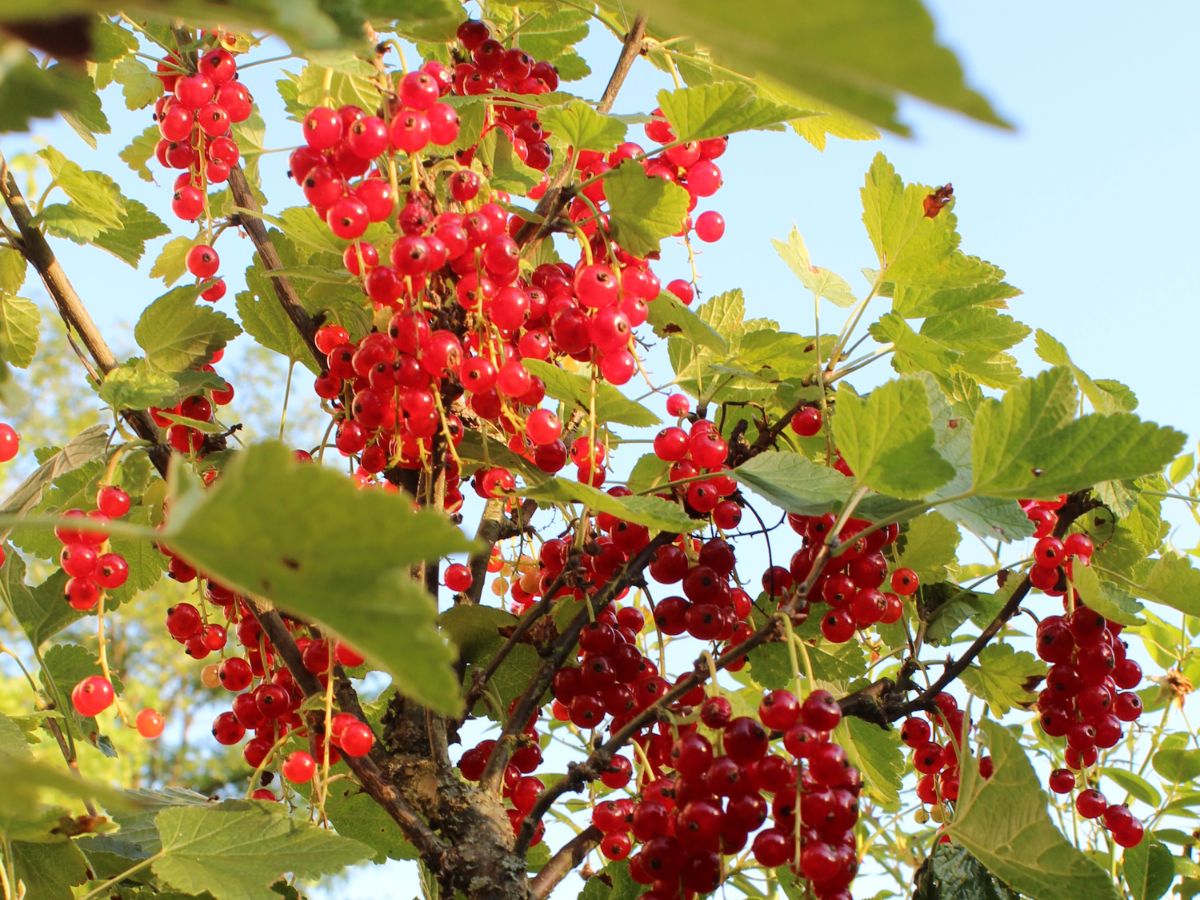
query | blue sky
[1089, 204]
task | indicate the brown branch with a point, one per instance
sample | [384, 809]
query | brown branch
[288, 298]
[367, 769]
[571, 854]
[558, 194]
[487, 534]
[37, 251]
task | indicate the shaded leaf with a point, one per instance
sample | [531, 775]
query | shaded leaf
[177, 334]
[642, 209]
[19, 320]
[611, 404]
[653, 512]
[877, 754]
[1004, 678]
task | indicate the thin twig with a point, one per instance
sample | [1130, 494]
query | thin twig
[571, 854]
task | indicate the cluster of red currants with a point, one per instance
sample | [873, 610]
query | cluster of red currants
[195, 115]
[185, 438]
[711, 786]
[936, 743]
[90, 570]
[10, 445]
[268, 699]
[1088, 696]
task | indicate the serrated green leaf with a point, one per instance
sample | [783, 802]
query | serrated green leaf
[418, 20]
[265, 321]
[649, 471]
[139, 84]
[177, 334]
[583, 127]
[68, 221]
[930, 547]
[235, 850]
[479, 632]
[653, 512]
[128, 242]
[877, 754]
[1174, 581]
[1027, 444]
[1004, 678]
[257, 531]
[1107, 600]
[669, 316]
[845, 54]
[1149, 869]
[642, 209]
[720, 108]
[822, 282]
[49, 870]
[135, 385]
[140, 151]
[40, 614]
[613, 882]
[12, 270]
[19, 320]
[1003, 822]
[171, 264]
[799, 485]
[912, 248]
[888, 440]
[611, 404]
[92, 193]
[1053, 352]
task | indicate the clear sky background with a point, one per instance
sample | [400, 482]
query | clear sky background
[1089, 204]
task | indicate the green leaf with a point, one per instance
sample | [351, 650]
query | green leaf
[265, 321]
[877, 754]
[234, 851]
[128, 243]
[1027, 444]
[479, 632]
[28, 91]
[642, 209]
[851, 55]
[1110, 602]
[13, 268]
[1003, 822]
[40, 613]
[822, 282]
[1173, 580]
[798, 485]
[888, 440]
[139, 84]
[49, 870]
[92, 193]
[912, 248]
[1004, 678]
[1102, 399]
[930, 547]
[1177, 764]
[89, 444]
[611, 404]
[653, 512]
[668, 315]
[1137, 786]
[19, 320]
[951, 873]
[63, 667]
[582, 127]
[1149, 869]
[723, 107]
[613, 882]
[356, 815]
[171, 264]
[507, 171]
[178, 334]
[140, 151]
[253, 531]
[135, 385]
[419, 20]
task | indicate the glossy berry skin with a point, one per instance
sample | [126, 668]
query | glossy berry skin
[458, 577]
[10, 442]
[112, 501]
[92, 696]
[299, 767]
[1090, 803]
[905, 582]
[357, 739]
[1062, 781]
[807, 422]
[710, 226]
[150, 724]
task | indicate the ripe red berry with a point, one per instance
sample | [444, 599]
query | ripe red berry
[807, 422]
[92, 696]
[710, 226]
[458, 577]
[299, 767]
[10, 442]
[150, 724]
[905, 582]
